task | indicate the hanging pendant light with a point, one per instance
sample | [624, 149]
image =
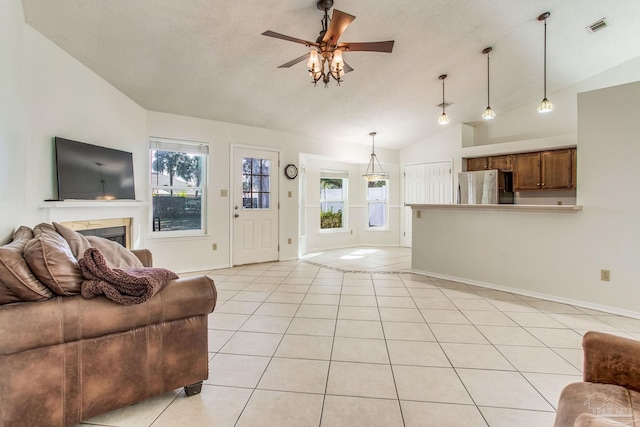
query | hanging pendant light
[371, 175]
[488, 112]
[443, 119]
[545, 105]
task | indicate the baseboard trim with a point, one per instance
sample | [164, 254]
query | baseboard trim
[554, 298]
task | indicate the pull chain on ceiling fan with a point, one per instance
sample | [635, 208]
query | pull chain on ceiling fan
[325, 60]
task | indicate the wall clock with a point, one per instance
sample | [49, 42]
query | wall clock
[291, 171]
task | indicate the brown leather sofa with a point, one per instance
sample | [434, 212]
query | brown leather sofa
[610, 393]
[64, 359]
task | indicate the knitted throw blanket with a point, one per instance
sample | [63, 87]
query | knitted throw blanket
[123, 285]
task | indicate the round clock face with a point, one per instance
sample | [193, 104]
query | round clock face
[291, 171]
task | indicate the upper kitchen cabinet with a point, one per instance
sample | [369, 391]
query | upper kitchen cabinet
[545, 170]
[477, 164]
[502, 163]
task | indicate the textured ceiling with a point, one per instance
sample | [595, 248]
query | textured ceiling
[208, 59]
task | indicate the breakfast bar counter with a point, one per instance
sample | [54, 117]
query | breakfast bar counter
[502, 208]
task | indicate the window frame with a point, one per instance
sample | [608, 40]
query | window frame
[385, 227]
[186, 147]
[344, 177]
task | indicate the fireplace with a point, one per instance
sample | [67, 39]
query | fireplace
[116, 229]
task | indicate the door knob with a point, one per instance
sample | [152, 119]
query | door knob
[236, 215]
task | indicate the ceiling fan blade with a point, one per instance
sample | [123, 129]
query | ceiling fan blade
[339, 22]
[295, 61]
[347, 68]
[288, 38]
[368, 46]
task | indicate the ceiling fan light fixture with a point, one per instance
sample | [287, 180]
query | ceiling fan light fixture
[443, 119]
[545, 105]
[371, 175]
[488, 113]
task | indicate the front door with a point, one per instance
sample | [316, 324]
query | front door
[255, 205]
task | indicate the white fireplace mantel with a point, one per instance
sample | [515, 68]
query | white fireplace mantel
[93, 204]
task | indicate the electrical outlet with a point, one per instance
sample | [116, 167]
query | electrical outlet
[605, 275]
[418, 214]
[289, 240]
[290, 194]
[350, 231]
[224, 193]
[214, 246]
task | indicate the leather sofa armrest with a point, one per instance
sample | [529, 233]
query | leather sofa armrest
[144, 255]
[610, 359]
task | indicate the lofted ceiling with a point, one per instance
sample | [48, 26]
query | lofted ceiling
[208, 59]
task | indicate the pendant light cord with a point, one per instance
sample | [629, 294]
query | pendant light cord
[443, 96]
[488, 91]
[545, 58]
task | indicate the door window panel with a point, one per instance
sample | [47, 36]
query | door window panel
[256, 182]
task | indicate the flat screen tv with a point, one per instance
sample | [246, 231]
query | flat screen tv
[90, 172]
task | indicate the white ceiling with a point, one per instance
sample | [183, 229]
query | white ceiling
[208, 59]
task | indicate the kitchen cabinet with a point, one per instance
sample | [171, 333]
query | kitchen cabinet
[545, 170]
[502, 163]
[477, 164]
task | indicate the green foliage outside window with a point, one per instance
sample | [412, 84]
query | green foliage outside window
[331, 219]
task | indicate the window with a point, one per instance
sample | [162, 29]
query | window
[256, 177]
[377, 198]
[333, 200]
[178, 186]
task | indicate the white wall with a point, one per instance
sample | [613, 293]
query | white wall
[13, 154]
[557, 255]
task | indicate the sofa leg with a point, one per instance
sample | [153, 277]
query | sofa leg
[192, 389]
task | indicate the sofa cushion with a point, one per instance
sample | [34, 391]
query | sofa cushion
[588, 404]
[116, 255]
[51, 260]
[17, 282]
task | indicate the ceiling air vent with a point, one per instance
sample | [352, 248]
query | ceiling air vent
[597, 26]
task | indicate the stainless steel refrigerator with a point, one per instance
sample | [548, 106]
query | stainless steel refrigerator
[484, 187]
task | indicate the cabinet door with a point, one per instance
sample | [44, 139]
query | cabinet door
[557, 170]
[477, 164]
[526, 172]
[502, 163]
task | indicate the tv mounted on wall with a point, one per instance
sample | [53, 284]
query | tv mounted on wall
[91, 172]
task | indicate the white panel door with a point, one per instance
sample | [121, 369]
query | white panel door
[425, 183]
[255, 206]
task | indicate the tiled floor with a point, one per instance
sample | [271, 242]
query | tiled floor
[299, 344]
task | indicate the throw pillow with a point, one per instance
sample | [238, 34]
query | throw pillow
[17, 282]
[116, 255]
[51, 260]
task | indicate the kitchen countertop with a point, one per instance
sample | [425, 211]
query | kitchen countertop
[501, 208]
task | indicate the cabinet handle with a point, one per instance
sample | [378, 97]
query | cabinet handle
[543, 184]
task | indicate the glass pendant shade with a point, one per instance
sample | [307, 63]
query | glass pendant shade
[443, 119]
[545, 106]
[488, 114]
[314, 62]
[337, 63]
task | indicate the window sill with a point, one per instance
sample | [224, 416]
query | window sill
[333, 231]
